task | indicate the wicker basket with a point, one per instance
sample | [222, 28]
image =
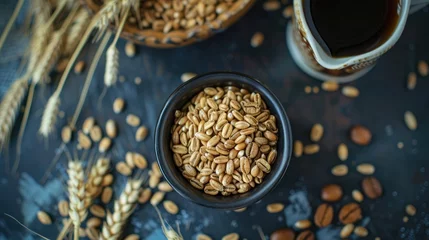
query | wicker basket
[178, 38]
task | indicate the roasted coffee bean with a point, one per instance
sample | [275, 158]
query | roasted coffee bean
[372, 187]
[331, 193]
[283, 234]
[350, 213]
[324, 215]
[360, 135]
[306, 235]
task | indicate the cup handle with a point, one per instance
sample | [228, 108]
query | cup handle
[417, 5]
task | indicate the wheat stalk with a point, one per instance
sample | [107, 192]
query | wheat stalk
[75, 32]
[76, 190]
[123, 208]
[9, 107]
[49, 117]
[168, 231]
[10, 22]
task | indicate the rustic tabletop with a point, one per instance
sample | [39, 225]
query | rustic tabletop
[383, 99]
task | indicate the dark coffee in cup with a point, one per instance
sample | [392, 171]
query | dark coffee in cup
[346, 28]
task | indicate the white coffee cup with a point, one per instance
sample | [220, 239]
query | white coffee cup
[313, 60]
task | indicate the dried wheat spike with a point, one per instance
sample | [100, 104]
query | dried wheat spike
[9, 107]
[112, 65]
[123, 208]
[168, 231]
[41, 33]
[49, 117]
[76, 190]
[49, 57]
[93, 186]
[106, 15]
[75, 32]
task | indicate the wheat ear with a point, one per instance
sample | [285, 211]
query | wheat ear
[92, 190]
[102, 15]
[49, 117]
[9, 108]
[52, 52]
[93, 186]
[76, 190]
[82, 97]
[112, 60]
[123, 208]
[75, 31]
[10, 22]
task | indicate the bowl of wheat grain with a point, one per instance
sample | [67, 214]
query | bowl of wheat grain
[223, 140]
[176, 23]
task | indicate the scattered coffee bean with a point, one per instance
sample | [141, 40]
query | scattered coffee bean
[410, 210]
[347, 230]
[372, 187]
[357, 195]
[303, 224]
[343, 152]
[306, 235]
[361, 231]
[283, 234]
[316, 132]
[350, 213]
[298, 148]
[360, 135]
[324, 215]
[331, 193]
[365, 169]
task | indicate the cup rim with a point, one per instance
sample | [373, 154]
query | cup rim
[340, 63]
[262, 189]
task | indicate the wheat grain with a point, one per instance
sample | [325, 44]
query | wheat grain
[123, 208]
[49, 117]
[76, 190]
[10, 106]
[75, 32]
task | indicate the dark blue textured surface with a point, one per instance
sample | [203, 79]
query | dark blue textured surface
[384, 98]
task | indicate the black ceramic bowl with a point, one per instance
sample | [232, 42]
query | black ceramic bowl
[164, 155]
